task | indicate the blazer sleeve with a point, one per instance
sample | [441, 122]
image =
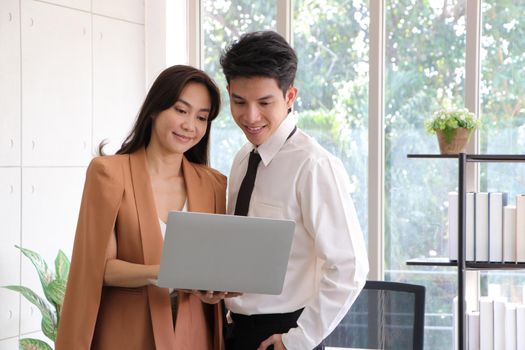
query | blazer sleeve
[103, 192]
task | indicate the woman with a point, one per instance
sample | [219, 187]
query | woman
[111, 301]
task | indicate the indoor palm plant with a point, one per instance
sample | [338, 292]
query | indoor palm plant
[54, 286]
[453, 128]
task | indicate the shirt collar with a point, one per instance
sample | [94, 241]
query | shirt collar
[274, 143]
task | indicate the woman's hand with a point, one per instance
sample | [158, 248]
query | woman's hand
[211, 297]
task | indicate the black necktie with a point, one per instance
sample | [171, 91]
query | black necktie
[246, 189]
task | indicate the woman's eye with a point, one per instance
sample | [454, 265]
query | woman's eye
[202, 118]
[179, 110]
[238, 102]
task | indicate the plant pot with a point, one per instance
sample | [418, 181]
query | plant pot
[457, 143]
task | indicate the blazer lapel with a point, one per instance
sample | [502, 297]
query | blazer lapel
[146, 210]
[201, 196]
[159, 302]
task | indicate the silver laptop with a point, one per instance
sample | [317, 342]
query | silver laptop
[225, 253]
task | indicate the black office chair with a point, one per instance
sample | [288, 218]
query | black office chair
[386, 315]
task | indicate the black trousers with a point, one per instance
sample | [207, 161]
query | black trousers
[248, 332]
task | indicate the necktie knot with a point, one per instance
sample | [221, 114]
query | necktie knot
[254, 160]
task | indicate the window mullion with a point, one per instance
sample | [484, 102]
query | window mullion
[376, 138]
[472, 79]
[195, 46]
[284, 20]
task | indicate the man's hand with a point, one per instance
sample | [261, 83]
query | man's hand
[211, 297]
[276, 340]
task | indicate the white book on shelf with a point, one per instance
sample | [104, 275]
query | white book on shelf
[520, 327]
[499, 323]
[453, 226]
[509, 233]
[486, 323]
[455, 320]
[481, 232]
[494, 290]
[470, 206]
[472, 330]
[469, 307]
[510, 326]
[520, 228]
[497, 200]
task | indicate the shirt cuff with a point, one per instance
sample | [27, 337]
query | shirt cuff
[296, 339]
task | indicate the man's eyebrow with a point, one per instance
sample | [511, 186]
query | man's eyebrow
[237, 96]
[267, 97]
[189, 105]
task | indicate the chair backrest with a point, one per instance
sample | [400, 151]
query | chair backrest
[385, 315]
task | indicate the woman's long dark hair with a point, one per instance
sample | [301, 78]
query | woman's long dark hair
[163, 94]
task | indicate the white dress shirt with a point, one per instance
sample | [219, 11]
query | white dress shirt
[297, 179]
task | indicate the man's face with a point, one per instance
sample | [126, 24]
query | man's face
[258, 106]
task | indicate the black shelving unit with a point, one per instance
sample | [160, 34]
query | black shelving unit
[461, 264]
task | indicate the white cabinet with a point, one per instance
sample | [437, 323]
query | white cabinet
[50, 204]
[9, 83]
[130, 10]
[56, 85]
[9, 255]
[9, 344]
[118, 79]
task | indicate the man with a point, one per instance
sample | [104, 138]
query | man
[295, 178]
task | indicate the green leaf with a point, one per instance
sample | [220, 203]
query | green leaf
[49, 327]
[33, 344]
[45, 275]
[61, 266]
[56, 291]
[49, 321]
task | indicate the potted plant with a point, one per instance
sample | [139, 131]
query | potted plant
[453, 129]
[54, 286]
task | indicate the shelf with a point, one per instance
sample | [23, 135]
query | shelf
[431, 262]
[462, 265]
[452, 156]
[478, 158]
[471, 265]
[498, 158]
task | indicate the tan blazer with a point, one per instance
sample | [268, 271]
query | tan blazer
[118, 195]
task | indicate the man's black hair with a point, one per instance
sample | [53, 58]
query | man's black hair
[260, 54]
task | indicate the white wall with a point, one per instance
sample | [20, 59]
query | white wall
[72, 72]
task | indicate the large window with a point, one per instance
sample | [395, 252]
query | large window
[331, 41]
[424, 66]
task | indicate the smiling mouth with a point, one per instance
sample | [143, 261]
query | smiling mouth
[254, 130]
[182, 137]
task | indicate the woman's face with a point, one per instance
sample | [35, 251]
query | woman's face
[182, 126]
